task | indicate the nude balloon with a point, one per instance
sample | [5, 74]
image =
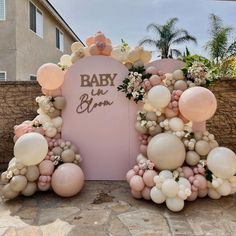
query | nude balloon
[32, 173]
[146, 193]
[67, 180]
[50, 76]
[166, 151]
[197, 104]
[136, 183]
[130, 174]
[46, 167]
[148, 177]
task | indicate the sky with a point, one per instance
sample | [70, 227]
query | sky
[128, 19]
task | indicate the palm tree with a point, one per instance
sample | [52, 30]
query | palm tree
[218, 45]
[166, 36]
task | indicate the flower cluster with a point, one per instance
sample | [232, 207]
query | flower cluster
[133, 86]
[198, 73]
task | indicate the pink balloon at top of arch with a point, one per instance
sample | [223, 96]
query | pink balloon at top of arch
[53, 93]
[197, 104]
[50, 76]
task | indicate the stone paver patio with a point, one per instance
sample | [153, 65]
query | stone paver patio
[107, 208]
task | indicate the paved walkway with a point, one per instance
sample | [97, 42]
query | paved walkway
[107, 208]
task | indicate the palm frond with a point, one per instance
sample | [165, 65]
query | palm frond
[231, 49]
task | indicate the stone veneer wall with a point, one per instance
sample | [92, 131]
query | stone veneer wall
[17, 104]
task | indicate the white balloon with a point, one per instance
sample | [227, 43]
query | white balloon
[157, 196]
[212, 193]
[31, 149]
[175, 204]
[222, 162]
[119, 54]
[170, 188]
[176, 124]
[185, 182]
[51, 132]
[57, 121]
[225, 188]
[166, 151]
[159, 96]
[166, 174]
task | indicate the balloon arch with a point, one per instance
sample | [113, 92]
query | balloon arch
[179, 159]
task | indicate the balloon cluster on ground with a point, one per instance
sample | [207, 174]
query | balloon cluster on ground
[179, 159]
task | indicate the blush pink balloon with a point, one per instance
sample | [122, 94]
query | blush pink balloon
[136, 183]
[53, 93]
[197, 104]
[193, 196]
[21, 129]
[44, 186]
[146, 193]
[199, 126]
[50, 76]
[152, 70]
[136, 194]
[155, 80]
[202, 181]
[170, 113]
[143, 149]
[46, 167]
[202, 192]
[67, 180]
[187, 171]
[130, 174]
[148, 177]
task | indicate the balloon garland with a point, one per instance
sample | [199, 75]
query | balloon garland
[179, 159]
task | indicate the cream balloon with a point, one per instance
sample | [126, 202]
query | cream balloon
[76, 46]
[221, 162]
[30, 189]
[159, 96]
[31, 149]
[176, 124]
[166, 151]
[8, 193]
[32, 173]
[178, 75]
[192, 158]
[66, 60]
[175, 204]
[202, 147]
[212, 193]
[157, 196]
[18, 183]
[225, 188]
[170, 188]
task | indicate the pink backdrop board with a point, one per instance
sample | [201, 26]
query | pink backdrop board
[167, 65]
[99, 119]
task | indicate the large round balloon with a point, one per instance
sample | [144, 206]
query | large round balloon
[50, 76]
[159, 96]
[30, 149]
[67, 180]
[221, 162]
[166, 151]
[197, 104]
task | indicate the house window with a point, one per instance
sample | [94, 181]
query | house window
[59, 40]
[3, 75]
[2, 10]
[36, 19]
[33, 77]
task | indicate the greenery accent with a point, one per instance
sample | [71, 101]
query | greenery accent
[209, 175]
